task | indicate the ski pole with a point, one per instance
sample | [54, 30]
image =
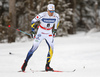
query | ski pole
[19, 30]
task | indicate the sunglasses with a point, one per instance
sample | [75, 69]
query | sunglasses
[51, 11]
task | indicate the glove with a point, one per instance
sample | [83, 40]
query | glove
[54, 32]
[32, 32]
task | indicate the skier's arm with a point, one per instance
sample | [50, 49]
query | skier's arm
[33, 22]
[57, 22]
[33, 28]
[56, 25]
[37, 18]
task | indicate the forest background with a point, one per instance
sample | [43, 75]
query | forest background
[75, 15]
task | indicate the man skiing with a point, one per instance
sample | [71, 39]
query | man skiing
[47, 21]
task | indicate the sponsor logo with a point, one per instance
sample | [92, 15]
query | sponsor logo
[39, 35]
[36, 41]
[44, 33]
[45, 20]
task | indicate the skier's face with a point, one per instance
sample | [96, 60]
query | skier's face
[50, 12]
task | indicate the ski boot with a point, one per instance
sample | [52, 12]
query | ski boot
[48, 68]
[24, 66]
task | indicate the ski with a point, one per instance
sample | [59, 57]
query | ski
[50, 71]
[22, 71]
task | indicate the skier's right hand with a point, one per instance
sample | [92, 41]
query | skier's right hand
[32, 32]
[54, 32]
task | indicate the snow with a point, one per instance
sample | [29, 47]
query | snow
[80, 51]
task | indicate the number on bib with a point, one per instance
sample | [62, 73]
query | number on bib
[48, 25]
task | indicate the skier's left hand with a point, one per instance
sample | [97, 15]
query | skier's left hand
[32, 32]
[54, 32]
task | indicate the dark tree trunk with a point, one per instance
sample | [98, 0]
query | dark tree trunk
[12, 15]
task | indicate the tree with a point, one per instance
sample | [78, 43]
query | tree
[72, 30]
[12, 16]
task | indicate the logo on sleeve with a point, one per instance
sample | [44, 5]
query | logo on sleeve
[37, 17]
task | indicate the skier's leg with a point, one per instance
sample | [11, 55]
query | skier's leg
[31, 51]
[50, 43]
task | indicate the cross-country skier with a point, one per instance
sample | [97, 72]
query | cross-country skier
[47, 21]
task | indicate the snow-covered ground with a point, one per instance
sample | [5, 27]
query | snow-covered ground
[80, 52]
